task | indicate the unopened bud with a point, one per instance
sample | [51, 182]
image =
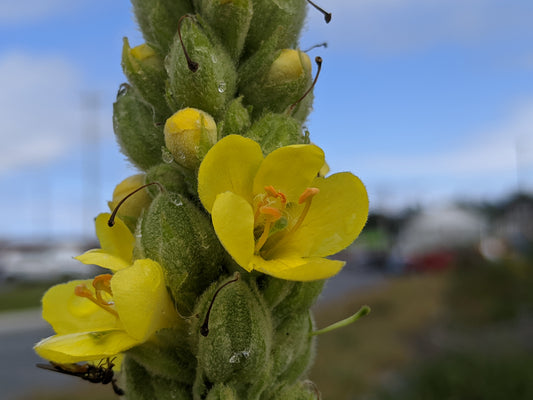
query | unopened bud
[189, 134]
[290, 65]
[131, 209]
[145, 70]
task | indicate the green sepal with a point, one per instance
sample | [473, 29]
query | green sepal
[213, 84]
[138, 381]
[158, 20]
[218, 15]
[236, 119]
[287, 298]
[221, 392]
[270, 15]
[170, 176]
[273, 131]
[142, 385]
[149, 77]
[267, 94]
[139, 137]
[238, 344]
[179, 236]
[293, 348]
[167, 354]
[298, 391]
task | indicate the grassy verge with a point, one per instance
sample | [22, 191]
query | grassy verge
[22, 295]
[351, 360]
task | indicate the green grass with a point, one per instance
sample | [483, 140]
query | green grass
[468, 376]
[23, 295]
[352, 360]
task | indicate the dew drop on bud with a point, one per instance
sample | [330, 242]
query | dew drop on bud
[166, 155]
[221, 87]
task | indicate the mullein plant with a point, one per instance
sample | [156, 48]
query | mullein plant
[214, 253]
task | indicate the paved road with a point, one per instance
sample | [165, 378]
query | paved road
[18, 374]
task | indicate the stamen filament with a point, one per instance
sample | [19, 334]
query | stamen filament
[262, 240]
[102, 283]
[307, 197]
[83, 291]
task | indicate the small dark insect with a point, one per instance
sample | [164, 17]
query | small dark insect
[101, 373]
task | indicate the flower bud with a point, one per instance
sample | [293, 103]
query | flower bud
[275, 130]
[171, 176]
[144, 69]
[209, 87]
[282, 83]
[221, 392]
[270, 16]
[180, 237]
[217, 14]
[292, 348]
[239, 341]
[132, 208]
[236, 119]
[139, 138]
[158, 20]
[189, 134]
[290, 65]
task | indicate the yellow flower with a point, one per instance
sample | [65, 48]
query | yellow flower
[100, 318]
[274, 214]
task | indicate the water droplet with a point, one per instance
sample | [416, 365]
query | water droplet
[222, 87]
[166, 155]
[239, 356]
[175, 199]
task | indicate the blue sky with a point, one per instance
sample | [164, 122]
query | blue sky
[426, 101]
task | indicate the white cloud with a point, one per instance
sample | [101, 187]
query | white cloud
[489, 151]
[380, 26]
[39, 109]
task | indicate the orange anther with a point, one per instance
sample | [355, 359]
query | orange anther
[83, 291]
[103, 282]
[274, 193]
[308, 194]
[272, 212]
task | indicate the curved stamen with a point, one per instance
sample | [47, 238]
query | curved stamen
[102, 283]
[306, 197]
[83, 291]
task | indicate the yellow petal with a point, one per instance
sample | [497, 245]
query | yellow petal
[230, 165]
[103, 259]
[85, 346]
[117, 241]
[233, 220]
[68, 313]
[141, 299]
[337, 215]
[298, 269]
[290, 170]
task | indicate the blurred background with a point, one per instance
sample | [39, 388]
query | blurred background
[429, 103]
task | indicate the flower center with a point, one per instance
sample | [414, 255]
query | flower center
[271, 208]
[102, 290]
